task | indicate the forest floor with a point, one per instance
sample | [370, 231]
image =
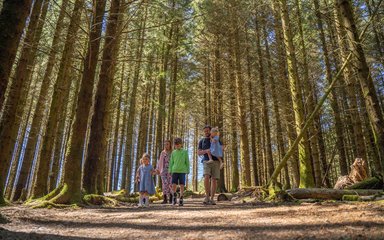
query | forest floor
[226, 220]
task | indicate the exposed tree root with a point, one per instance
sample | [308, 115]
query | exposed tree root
[63, 197]
[47, 197]
[99, 200]
[123, 196]
[49, 205]
[58, 198]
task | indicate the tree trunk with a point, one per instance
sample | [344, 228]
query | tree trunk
[18, 90]
[195, 173]
[287, 99]
[234, 145]
[252, 108]
[73, 163]
[13, 18]
[93, 180]
[309, 89]
[62, 86]
[128, 160]
[160, 121]
[218, 98]
[263, 90]
[40, 110]
[366, 82]
[244, 141]
[306, 177]
[333, 96]
[276, 102]
[117, 144]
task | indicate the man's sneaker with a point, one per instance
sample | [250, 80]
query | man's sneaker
[140, 205]
[212, 202]
[206, 201]
[174, 199]
[181, 202]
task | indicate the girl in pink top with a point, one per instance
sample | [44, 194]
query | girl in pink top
[162, 169]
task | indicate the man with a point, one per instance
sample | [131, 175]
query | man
[211, 169]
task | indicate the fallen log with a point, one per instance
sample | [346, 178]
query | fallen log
[224, 197]
[329, 194]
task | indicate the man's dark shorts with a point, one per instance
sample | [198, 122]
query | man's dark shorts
[178, 178]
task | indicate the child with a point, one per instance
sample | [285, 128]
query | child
[162, 169]
[178, 167]
[144, 177]
[216, 147]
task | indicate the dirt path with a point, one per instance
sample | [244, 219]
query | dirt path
[195, 221]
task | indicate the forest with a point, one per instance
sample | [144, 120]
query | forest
[295, 88]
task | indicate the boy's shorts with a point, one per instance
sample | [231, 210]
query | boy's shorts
[178, 178]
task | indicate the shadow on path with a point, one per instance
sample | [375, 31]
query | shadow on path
[6, 234]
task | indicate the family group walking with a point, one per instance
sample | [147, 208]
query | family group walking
[174, 165]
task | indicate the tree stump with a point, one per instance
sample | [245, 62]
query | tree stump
[358, 173]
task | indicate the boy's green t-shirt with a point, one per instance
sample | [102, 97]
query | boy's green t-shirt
[179, 162]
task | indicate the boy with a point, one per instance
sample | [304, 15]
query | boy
[178, 167]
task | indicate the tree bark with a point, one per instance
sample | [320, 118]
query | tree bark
[244, 141]
[160, 121]
[62, 86]
[267, 128]
[40, 111]
[18, 93]
[13, 18]
[93, 180]
[371, 100]
[276, 99]
[306, 177]
[234, 145]
[287, 99]
[333, 96]
[128, 160]
[252, 107]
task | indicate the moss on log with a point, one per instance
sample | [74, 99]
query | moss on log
[329, 194]
[351, 198]
[369, 183]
